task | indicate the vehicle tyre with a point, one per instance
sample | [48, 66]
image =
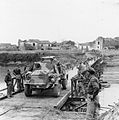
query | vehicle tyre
[27, 91]
[57, 90]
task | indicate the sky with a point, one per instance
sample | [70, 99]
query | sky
[58, 20]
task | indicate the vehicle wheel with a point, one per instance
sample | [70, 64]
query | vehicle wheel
[64, 84]
[57, 90]
[27, 91]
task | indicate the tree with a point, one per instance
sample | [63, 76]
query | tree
[68, 43]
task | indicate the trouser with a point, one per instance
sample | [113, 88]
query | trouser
[9, 89]
[92, 108]
[22, 83]
[19, 82]
[13, 85]
[81, 88]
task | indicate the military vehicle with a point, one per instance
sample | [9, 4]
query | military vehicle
[44, 75]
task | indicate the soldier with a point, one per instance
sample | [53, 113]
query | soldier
[8, 80]
[17, 73]
[92, 96]
[55, 68]
[81, 78]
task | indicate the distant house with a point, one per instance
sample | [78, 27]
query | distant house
[106, 43]
[8, 47]
[44, 44]
[96, 45]
[100, 43]
[21, 44]
[86, 46]
[33, 44]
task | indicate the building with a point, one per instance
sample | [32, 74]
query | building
[96, 45]
[8, 47]
[34, 44]
[86, 46]
[45, 44]
[99, 43]
[21, 44]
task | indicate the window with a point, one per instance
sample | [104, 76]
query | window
[98, 42]
[33, 44]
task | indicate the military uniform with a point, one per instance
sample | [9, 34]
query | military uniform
[92, 99]
[17, 73]
[8, 80]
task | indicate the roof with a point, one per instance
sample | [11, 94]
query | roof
[39, 41]
[34, 40]
[44, 42]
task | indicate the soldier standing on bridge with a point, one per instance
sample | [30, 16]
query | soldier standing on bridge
[17, 73]
[92, 96]
[81, 69]
[8, 80]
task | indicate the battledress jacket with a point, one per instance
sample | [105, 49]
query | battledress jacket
[93, 87]
[8, 78]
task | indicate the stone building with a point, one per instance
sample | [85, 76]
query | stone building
[97, 44]
[8, 47]
[86, 46]
[33, 44]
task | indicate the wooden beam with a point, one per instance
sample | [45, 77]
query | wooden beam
[62, 100]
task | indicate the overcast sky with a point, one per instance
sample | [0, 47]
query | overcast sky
[58, 20]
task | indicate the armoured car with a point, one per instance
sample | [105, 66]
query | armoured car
[45, 75]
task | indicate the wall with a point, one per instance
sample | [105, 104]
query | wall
[99, 43]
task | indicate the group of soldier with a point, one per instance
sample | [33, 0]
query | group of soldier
[90, 86]
[12, 81]
[19, 77]
[90, 91]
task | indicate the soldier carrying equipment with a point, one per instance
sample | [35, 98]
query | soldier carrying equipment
[92, 96]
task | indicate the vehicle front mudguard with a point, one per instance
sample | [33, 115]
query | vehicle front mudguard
[57, 90]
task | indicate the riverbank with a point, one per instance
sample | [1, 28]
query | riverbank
[24, 57]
